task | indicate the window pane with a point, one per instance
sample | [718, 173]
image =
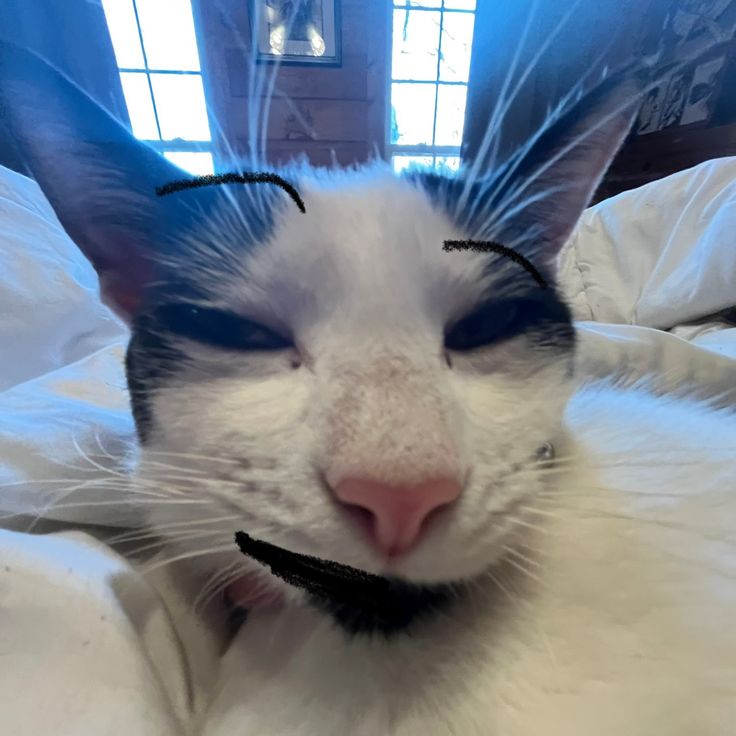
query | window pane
[457, 39]
[460, 4]
[182, 112]
[124, 33]
[447, 164]
[419, 3]
[198, 163]
[415, 41]
[412, 112]
[140, 108]
[168, 34]
[402, 163]
[450, 115]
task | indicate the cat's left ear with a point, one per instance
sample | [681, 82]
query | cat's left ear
[100, 181]
[533, 202]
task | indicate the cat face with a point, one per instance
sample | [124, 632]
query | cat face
[331, 381]
[365, 382]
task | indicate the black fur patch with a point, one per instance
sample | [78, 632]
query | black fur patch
[360, 603]
[539, 314]
[151, 357]
[150, 360]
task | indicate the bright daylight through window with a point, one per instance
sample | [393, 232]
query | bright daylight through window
[156, 52]
[430, 62]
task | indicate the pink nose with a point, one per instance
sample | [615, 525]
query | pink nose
[398, 512]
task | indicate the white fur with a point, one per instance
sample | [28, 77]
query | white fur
[622, 624]
[628, 628]
[362, 281]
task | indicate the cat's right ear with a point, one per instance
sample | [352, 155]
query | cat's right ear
[100, 181]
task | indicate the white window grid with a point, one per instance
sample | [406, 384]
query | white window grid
[176, 149]
[426, 154]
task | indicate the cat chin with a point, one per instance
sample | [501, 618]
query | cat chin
[429, 570]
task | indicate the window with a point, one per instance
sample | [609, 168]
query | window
[156, 52]
[430, 61]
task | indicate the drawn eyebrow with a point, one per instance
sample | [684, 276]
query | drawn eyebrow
[261, 177]
[483, 246]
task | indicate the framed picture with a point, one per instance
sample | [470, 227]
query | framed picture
[688, 97]
[651, 110]
[704, 88]
[297, 31]
[674, 102]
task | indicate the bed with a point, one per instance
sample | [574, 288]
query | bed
[650, 276]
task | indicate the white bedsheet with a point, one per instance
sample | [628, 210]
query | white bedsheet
[87, 647]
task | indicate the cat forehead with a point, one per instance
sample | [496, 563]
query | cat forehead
[372, 236]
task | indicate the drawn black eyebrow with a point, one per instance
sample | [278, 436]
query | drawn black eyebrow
[483, 246]
[261, 177]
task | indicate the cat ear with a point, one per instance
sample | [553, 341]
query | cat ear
[100, 181]
[536, 198]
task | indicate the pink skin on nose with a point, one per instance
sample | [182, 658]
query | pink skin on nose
[398, 512]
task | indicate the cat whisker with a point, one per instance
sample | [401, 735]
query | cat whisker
[549, 40]
[527, 524]
[541, 512]
[185, 536]
[525, 558]
[713, 534]
[491, 131]
[499, 212]
[92, 462]
[508, 171]
[188, 556]
[195, 456]
[161, 529]
[217, 584]
[524, 571]
[492, 134]
[161, 501]
[37, 481]
[103, 449]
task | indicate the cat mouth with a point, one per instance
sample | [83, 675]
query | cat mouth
[358, 601]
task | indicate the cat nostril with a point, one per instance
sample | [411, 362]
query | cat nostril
[394, 516]
[360, 516]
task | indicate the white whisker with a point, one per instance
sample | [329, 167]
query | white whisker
[493, 124]
[188, 556]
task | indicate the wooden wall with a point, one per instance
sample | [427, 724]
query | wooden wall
[553, 44]
[616, 27]
[315, 110]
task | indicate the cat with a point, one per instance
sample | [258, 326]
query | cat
[335, 383]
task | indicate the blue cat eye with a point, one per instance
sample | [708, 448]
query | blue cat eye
[494, 321]
[540, 313]
[219, 328]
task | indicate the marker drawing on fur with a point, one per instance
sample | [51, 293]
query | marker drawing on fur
[270, 178]
[489, 247]
[358, 601]
[262, 177]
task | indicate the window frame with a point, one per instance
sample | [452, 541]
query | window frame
[176, 145]
[401, 149]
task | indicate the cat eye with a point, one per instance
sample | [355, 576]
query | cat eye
[492, 322]
[539, 314]
[219, 328]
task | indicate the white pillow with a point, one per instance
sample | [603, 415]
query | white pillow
[657, 256]
[50, 310]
